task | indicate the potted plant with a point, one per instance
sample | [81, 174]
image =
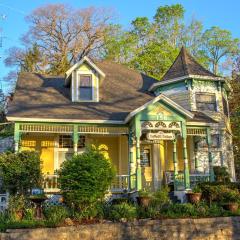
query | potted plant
[144, 198]
[194, 196]
[230, 200]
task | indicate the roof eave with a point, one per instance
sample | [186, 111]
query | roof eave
[156, 99]
[170, 81]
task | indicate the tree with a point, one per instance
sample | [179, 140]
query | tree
[218, 44]
[120, 46]
[235, 120]
[85, 178]
[169, 23]
[20, 172]
[28, 61]
[62, 35]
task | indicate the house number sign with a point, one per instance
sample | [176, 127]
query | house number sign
[160, 136]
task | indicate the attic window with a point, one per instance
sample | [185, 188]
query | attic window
[85, 92]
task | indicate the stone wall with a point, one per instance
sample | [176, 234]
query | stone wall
[224, 228]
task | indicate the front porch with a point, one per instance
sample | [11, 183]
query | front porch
[157, 145]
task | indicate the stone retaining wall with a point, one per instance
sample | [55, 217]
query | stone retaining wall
[224, 228]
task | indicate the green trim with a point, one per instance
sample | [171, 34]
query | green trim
[17, 136]
[186, 168]
[137, 125]
[73, 124]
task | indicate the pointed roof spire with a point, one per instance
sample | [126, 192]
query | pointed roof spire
[185, 65]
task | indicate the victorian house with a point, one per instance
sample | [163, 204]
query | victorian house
[171, 131]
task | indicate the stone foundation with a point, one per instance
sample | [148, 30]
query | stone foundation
[224, 228]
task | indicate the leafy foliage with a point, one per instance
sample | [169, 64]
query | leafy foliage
[221, 174]
[122, 211]
[218, 43]
[85, 178]
[20, 171]
[55, 214]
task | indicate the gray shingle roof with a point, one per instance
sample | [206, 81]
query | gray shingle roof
[122, 91]
[185, 65]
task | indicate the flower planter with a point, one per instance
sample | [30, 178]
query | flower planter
[232, 207]
[194, 198]
[144, 201]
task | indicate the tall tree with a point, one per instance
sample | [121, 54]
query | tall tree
[28, 61]
[235, 120]
[218, 44]
[169, 23]
[63, 35]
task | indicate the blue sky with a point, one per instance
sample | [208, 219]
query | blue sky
[222, 13]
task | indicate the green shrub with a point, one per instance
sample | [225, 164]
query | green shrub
[229, 196]
[20, 171]
[85, 178]
[122, 211]
[149, 212]
[160, 198]
[221, 174]
[179, 210]
[55, 215]
[95, 210]
[29, 213]
[220, 192]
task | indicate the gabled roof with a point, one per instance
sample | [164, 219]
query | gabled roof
[46, 98]
[165, 99]
[184, 67]
[76, 65]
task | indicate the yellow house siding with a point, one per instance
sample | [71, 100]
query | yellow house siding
[45, 146]
[123, 156]
[110, 143]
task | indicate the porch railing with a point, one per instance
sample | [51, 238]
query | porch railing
[50, 183]
[195, 178]
[121, 183]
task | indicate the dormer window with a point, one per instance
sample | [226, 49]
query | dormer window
[85, 91]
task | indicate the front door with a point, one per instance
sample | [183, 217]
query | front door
[146, 166]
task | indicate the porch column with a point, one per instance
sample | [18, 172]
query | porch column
[175, 163]
[131, 163]
[16, 137]
[186, 168]
[210, 160]
[137, 125]
[196, 164]
[75, 138]
[138, 170]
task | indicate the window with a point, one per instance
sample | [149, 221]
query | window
[225, 107]
[215, 142]
[85, 87]
[206, 101]
[65, 141]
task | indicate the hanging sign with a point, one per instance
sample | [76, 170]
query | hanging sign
[160, 136]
